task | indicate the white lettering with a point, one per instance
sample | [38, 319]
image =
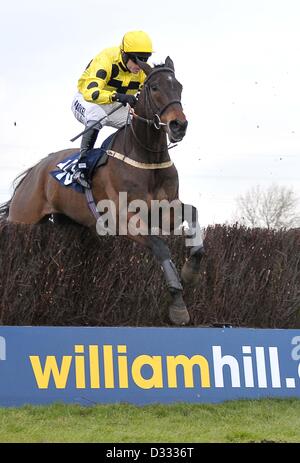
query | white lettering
[106, 224]
[296, 350]
[220, 362]
[2, 348]
[248, 367]
[261, 366]
[274, 364]
[133, 218]
[118, 453]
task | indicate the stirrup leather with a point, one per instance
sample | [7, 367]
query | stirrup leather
[80, 178]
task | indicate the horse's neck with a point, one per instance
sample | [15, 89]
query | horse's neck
[150, 144]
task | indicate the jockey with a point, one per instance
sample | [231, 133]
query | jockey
[112, 76]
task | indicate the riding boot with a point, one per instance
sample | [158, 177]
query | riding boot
[87, 143]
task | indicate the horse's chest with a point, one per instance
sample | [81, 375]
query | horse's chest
[163, 193]
[166, 189]
[152, 187]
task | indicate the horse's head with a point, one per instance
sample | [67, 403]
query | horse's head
[161, 99]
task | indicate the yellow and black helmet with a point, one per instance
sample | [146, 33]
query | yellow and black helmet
[137, 44]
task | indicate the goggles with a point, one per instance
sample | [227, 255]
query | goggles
[134, 58]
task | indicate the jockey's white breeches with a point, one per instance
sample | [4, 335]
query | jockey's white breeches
[88, 113]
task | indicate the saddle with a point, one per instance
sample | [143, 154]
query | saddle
[96, 158]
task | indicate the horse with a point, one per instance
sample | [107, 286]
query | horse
[148, 175]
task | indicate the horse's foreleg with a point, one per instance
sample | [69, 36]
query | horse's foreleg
[177, 310]
[190, 272]
[178, 313]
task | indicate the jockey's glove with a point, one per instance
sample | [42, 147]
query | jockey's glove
[124, 99]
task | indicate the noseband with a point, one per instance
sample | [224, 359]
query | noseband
[157, 112]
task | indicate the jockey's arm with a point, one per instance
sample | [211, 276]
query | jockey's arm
[94, 80]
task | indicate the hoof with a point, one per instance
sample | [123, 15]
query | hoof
[179, 315]
[189, 274]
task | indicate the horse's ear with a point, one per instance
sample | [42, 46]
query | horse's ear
[169, 63]
[144, 66]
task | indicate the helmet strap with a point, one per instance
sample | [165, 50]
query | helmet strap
[125, 58]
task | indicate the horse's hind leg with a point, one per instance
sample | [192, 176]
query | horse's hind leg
[190, 272]
[27, 209]
[30, 215]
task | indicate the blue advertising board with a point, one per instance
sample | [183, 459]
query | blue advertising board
[86, 365]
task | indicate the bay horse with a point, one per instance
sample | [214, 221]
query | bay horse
[150, 176]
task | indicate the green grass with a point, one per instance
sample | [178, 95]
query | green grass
[238, 421]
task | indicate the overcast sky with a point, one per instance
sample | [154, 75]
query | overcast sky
[238, 61]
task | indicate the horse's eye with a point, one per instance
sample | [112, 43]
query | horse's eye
[154, 87]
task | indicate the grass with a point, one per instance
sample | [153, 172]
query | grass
[267, 420]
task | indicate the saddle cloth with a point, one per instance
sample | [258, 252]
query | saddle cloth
[95, 158]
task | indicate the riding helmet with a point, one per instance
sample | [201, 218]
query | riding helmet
[137, 43]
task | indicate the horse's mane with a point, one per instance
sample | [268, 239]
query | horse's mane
[160, 65]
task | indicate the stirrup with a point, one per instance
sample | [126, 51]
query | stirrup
[80, 178]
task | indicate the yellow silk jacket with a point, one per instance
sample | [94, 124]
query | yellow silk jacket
[105, 75]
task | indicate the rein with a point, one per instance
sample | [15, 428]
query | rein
[160, 111]
[156, 122]
[157, 112]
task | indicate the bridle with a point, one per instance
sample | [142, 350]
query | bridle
[156, 111]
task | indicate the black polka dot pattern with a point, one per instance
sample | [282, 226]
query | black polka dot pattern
[95, 95]
[101, 74]
[92, 85]
[114, 71]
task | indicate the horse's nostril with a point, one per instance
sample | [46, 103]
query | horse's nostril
[184, 124]
[178, 125]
